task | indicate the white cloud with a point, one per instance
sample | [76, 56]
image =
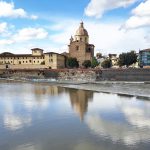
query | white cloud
[3, 27]
[14, 122]
[30, 33]
[6, 42]
[34, 17]
[105, 36]
[140, 16]
[96, 8]
[9, 10]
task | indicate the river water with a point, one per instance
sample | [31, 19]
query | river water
[45, 117]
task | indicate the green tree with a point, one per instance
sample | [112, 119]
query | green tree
[72, 63]
[127, 59]
[86, 63]
[94, 62]
[106, 63]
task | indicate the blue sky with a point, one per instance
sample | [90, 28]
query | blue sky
[114, 26]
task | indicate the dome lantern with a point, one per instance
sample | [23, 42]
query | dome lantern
[81, 33]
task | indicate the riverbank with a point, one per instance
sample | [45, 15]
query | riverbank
[139, 89]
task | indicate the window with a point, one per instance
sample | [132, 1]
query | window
[85, 39]
[30, 61]
[77, 48]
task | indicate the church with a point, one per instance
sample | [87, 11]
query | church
[79, 46]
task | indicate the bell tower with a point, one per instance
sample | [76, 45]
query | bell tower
[79, 46]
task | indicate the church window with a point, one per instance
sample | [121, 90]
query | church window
[85, 39]
[77, 48]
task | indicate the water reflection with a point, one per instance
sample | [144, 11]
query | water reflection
[79, 100]
[43, 117]
[131, 128]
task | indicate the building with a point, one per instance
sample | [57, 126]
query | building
[37, 59]
[144, 58]
[114, 59]
[55, 60]
[79, 46]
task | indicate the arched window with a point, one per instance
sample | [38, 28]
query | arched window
[85, 39]
[77, 48]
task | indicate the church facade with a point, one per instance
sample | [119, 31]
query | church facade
[79, 46]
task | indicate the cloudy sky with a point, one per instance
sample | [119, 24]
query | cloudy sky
[114, 26]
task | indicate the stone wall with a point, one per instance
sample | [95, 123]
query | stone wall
[79, 75]
[125, 74]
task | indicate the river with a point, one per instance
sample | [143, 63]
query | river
[36, 116]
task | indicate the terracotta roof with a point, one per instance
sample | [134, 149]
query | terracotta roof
[54, 53]
[81, 30]
[7, 54]
[37, 49]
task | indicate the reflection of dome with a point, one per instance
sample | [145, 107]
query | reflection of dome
[81, 30]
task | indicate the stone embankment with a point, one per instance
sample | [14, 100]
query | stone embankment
[79, 75]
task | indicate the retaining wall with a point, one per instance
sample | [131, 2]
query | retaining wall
[85, 75]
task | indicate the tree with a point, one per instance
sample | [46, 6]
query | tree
[94, 62]
[86, 63]
[72, 63]
[106, 63]
[127, 59]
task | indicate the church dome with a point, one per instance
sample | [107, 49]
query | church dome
[81, 30]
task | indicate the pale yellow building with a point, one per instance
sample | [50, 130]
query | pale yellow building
[36, 60]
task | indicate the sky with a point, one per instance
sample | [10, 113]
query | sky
[114, 26]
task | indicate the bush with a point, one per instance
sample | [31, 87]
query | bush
[106, 63]
[72, 63]
[94, 62]
[86, 63]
